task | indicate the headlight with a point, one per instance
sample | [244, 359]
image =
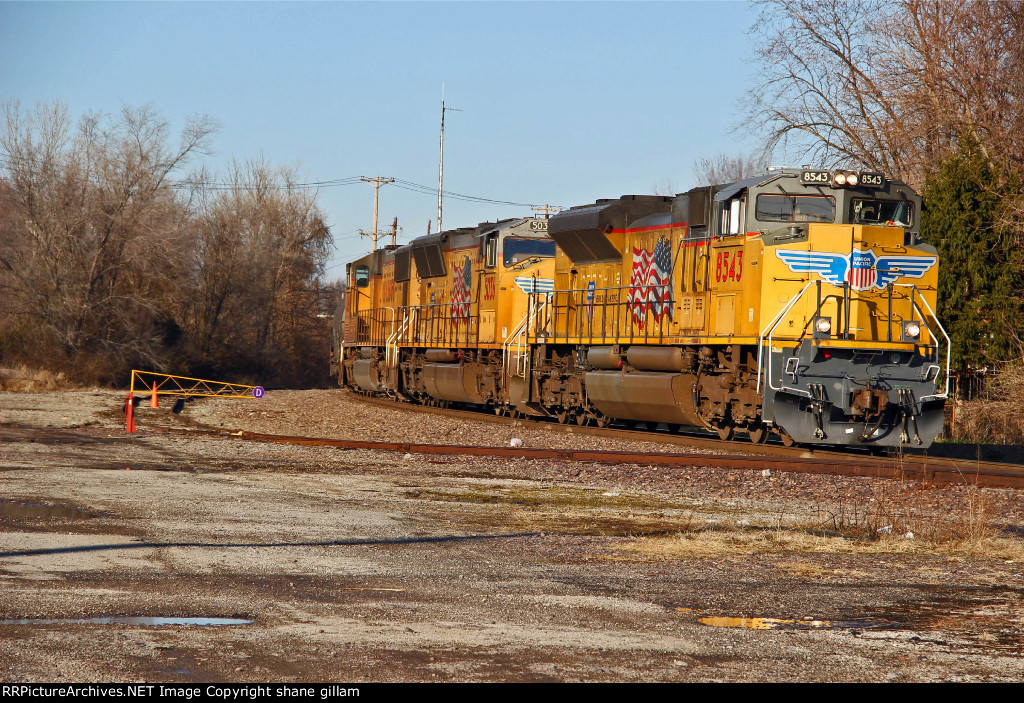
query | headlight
[913, 329]
[823, 325]
[852, 179]
[840, 179]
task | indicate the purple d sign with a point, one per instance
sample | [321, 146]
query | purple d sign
[258, 392]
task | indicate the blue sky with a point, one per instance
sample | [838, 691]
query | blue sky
[561, 103]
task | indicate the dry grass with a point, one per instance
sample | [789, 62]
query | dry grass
[705, 543]
[562, 510]
[948, 515]
[898, 516]
[934, 519]
[998, 416]
[22, 379]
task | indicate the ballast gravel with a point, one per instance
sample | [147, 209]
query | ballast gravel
[360, 565]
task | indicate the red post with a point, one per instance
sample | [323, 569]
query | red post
[129, 414]
[152, 398]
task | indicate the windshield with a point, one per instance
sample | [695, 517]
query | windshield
[782, 207]
[516, 249]
[897, 213]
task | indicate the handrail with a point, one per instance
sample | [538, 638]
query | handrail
[626, 306]
[506, 346]
[367, 314]
[517, 337]
[949, 344]
[770, 331]
[764, 367]
[391, 349]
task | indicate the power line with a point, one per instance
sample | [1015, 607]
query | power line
[333, 183]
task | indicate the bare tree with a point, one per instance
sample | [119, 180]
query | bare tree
[90, 220]
[723, 168]
[889, 86]
[664, 187]
[252, 291]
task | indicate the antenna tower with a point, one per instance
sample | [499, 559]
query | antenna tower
[440, 170]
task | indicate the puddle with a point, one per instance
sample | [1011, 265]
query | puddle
[131, 620]
[9, 508]
[779, 624]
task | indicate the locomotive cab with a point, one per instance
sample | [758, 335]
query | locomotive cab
[848, 343]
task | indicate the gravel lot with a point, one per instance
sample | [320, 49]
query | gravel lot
[377, 566]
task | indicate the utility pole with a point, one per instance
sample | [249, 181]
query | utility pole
[546, 209]
[440, 170]
[377, 183]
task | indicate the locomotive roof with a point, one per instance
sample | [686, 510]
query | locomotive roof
[726, 191]
[732, 189]
[482, 228]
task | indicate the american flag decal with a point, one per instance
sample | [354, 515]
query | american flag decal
[862, 275]
[649, 287]
[462, 288]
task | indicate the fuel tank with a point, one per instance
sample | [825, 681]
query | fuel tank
[650, 397]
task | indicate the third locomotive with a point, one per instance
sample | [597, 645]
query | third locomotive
[798, 303]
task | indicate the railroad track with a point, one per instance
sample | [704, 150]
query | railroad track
[910, 464]
[735, 457]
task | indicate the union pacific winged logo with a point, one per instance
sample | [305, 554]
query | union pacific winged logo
[861, 268]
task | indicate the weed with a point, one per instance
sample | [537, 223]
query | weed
[995, 416]
[22, 379]
[904, 508]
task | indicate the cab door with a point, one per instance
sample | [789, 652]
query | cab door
[488, 288]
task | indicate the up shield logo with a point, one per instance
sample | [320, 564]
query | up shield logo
[861, 268]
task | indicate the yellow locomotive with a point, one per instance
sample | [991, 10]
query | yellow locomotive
[798, 303]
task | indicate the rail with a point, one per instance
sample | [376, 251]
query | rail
[753, 459]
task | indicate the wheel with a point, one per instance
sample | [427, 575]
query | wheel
[562, 416]
[582, 418]
[514, 413]
[726, 432]
[500, 410]
[787, 441]
[602, 420]
[758, 434]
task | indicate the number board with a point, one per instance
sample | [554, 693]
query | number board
[539, 225]
[872, 180]
[812, 178]
[729, 266]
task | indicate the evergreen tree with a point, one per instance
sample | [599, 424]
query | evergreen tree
[980, 278]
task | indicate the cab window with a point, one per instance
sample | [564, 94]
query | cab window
[896, 213]
[491, 251]
[518, 249]
[362, 276]
[782, 207]
[730, 217]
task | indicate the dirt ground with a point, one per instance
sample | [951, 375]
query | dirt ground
[314, 564]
